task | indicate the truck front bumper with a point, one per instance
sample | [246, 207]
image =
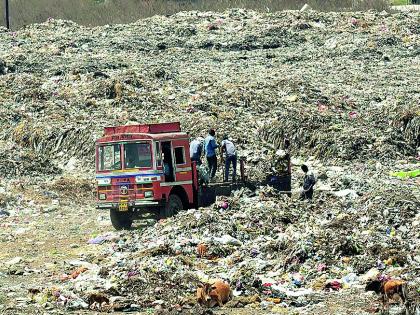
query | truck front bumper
[136, 204]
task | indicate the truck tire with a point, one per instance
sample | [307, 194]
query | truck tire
[172, 207]
[120, 220]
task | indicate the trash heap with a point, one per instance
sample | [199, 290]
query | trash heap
[343, 87]
[277, 253]
[340, 85]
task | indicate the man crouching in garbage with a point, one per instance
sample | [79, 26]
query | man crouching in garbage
[309, 182]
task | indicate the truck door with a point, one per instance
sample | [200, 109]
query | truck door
[168, 161]
[183, 171]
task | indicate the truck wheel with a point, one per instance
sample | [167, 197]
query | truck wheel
[172, 207]
[120, 220]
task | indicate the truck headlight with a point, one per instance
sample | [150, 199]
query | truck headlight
[104, 181]
[102, 196]
[148, 194]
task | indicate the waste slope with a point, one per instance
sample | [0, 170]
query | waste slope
[340, 85]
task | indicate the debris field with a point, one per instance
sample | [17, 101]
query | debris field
[343, 87]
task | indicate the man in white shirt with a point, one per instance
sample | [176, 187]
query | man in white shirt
[229, 148]
[196, 148]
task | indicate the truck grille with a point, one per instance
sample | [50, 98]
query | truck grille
[123, 191]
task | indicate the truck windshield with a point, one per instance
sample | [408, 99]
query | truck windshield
[137, 155]
[109, 157]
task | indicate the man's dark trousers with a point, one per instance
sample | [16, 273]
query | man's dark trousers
[230, 159]
[212, 163]
[307, 194]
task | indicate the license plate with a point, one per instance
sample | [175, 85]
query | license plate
[123, 206]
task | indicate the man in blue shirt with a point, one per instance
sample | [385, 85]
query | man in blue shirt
[210, 147]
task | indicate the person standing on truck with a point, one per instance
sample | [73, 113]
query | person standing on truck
[196, 148]
[210, 146]
[229, 148]
[309, 182]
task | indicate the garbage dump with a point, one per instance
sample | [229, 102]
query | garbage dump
[343, 87]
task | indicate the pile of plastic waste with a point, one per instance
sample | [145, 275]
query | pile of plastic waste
[275, 251]
[339, 85]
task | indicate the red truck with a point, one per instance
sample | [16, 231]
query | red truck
[146, 169]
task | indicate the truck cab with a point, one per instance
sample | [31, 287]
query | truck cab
[144, 169]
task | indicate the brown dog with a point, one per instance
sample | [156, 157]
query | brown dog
[202, 250]
[389, 289]
[214, 294]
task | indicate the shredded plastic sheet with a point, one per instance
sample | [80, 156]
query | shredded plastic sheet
[408, 174]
